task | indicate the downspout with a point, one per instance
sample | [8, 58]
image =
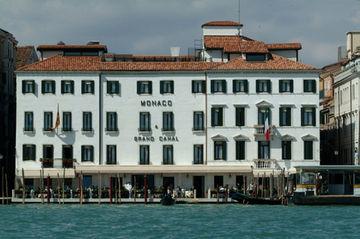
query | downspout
[101, 104]
[206, 119]
[351, 127]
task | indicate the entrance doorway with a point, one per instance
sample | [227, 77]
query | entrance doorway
[168, 182]
[199, 182]
[138, 181]
[218, 181]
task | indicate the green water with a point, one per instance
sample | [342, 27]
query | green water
[179, 221]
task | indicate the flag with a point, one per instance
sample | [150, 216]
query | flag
[267, 129]
[57, 122]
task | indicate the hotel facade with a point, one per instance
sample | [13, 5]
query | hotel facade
[189, 122]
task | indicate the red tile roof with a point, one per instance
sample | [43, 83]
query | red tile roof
[275, 63]
[93, 63]
[222, 24]
[24, 56]
[232, 44]
[284, 46]
[63, 47]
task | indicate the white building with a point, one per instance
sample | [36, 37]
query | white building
[346, 112]
[181, 122]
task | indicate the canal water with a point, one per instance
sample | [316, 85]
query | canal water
[179, 221]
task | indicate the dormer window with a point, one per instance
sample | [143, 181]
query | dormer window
[255, 57]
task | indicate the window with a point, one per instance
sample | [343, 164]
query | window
[111, 121]
[285, 116]
[218, 86]
[48, 87]
[240, 150]
[263, 150]
[255, 57]
[28, 86]
[219, 150]
[198, 154]
[87, 87]
[67, 151]
[29, 152]
[198, 120]
[87, 153]
[110, 154]
[168, 121]
[168, 154]
[87, 121]
[286, 86]
[310, 86]
[144, 154]
[240, 86]
[217, 116]
[67, 121]
[198, 86]
[67, 87]
[308, 116]
[48, 151]
[145, 121]
[308, 149]
[48, 121]
[263, 86]
[113, 87]
[286, 149]
[144, 87]
[263, 114]
[29, 121]
[167, 87]
[240, 116]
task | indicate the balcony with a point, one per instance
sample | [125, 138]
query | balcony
[265, 163]
[57, 163]
[259, 132]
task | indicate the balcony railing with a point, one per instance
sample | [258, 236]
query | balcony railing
[265, 163]
[57, 163]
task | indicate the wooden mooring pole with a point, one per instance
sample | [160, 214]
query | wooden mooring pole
[42, 185]
[110, 190]
[63, 187]
[6, 188]
[99, 187]
[119, 187]
[23, 186]
[58, 188]
[2, 186]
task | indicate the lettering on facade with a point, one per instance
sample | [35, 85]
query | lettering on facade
[152, 139]
[156, 103]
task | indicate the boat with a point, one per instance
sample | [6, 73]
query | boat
[245, 199]
[167, 200]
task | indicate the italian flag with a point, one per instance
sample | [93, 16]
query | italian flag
[267, 129]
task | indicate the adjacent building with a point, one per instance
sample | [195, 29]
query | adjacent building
[190, 122]
[7, 108]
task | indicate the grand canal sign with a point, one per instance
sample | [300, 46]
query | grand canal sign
[152, 138]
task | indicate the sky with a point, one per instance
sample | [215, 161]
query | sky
[153, 26]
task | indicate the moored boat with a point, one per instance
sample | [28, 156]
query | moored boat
[167, 200]
[245, 199]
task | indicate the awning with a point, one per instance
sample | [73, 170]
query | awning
[52, 172]
[153, 169]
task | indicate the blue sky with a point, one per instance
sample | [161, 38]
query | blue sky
[153, 26]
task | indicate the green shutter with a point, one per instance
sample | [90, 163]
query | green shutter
[161, 87]
[42, 87]
[92, 87]
[138, 87]
[221, 116]
[117, 87]
[288, 116]
[224, 148]
[203, 86]
[304, 85]
[212, 86]
[313, 116]
[269, 86]
[281, 123]
[53, 87]
[257, 86]
[291, 86]
[82, 87]
[62, 86]
[150, 86]
[246, 83]
[313, 86]
[192, 86]
[23, 86]
[172, 87]
[223, 82]
[302, 117]
[212, 116]
[72, 87]
[108, 87]
[234, 86]
[281, 82]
